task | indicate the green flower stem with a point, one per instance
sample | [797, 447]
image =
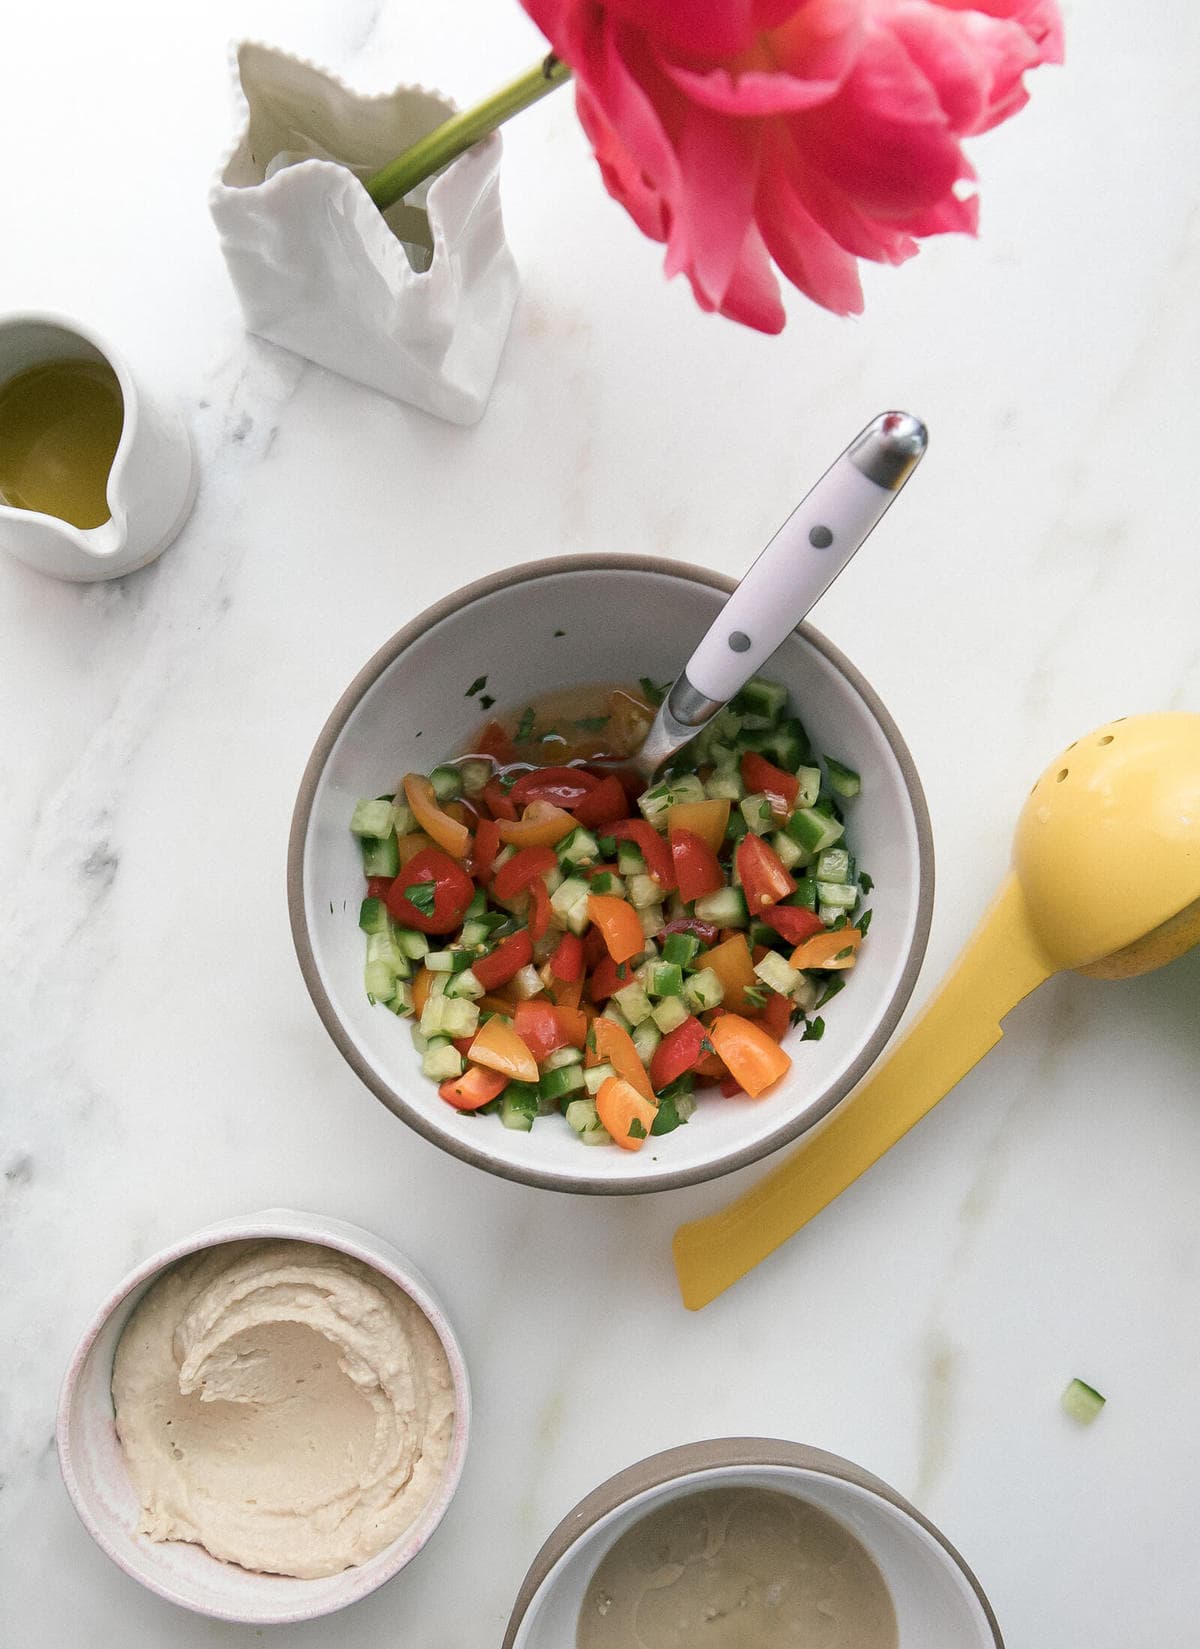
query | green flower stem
[458, 134]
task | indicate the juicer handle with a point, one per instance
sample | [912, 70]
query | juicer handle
[1003, 961]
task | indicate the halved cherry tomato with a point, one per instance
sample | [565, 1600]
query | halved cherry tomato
[567, 960]
[541, 825]
[794, 922]
[498, 1046]
[730, 1086]
[594, 948]
[604, 805]
[606, 977]
[618, 922]
[709, 1069]
[474, 1088]
[567, 993]
[539, 1027]
[616, 1045]
[497, 800]
[507, 960]
[415, 842]
[774, 1016]
[564, 786]
[452, 892]
[753, 1058]
[574, 1022]
[495, 742]
[539, 909]
[733, 967]
[706, 932]
[377, 886]
[762, 777]
[448, 833]
[824, 950]
[421, 988]
[696, 868]
[515, 875]
[709, 820]
[761, 873]
[627, 1114]
[484, 850]
[677, 1052]
[653, 849]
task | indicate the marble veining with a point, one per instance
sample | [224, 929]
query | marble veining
[160, 1065]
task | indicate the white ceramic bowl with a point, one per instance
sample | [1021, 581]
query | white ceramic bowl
[939, 1603]
[94, 1470]
[550, 625]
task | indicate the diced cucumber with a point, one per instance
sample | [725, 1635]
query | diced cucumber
[680, 948]
[507, 852]
[651, 918]
[843, 781]
[373, 916]
[525, 983]
[382, 947]
[1082, 1402]
[646, 1038]
[629, 859]
[563, 1080]
[726, 908]
[406, 819]
[776, 974]
[724, 784]
[633, 1003]
[447, 783]
[460, 1017]
[420, 1040]
[519, 1108]
[653, 803]
[758, 933]
[664, 979]
[475, 775]
[402, 1000]
[837, 896]
[831, 914]
[676, 1105]
[448, 961]
[595, 1076]
[805, 894]
[786, 744]
[791, 855]
[724, 757]
[379, 981]
[569, 903]
[703, 990]
[670, 1013]
[581, 1116]
[464, 984]
[579, 848]
[373, 819]
[813, 830]
[761, 698]
[380, 858]
[477, 930]
[563, 1056]
[806, 993]
[608, 882]
[643, 891]
[612, 1011]
[412, 943]
[833, 865]
[810, 786]
[758, 813]
[441, 1061]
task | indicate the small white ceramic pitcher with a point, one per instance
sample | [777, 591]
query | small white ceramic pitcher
[152, 480]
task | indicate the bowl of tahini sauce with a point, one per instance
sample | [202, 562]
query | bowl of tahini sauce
[749, 1543]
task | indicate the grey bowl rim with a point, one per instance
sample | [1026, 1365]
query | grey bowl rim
[687, 1460]
[545, 1179]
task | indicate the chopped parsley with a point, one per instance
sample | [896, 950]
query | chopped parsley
[423, 896]
[592, 724]
[486, 700]
[864, 922]
[525, 726]
[560, 632]
[814, 1030]
[830, 991]
[865, 882]
[756, 995]
[637, 1129]
[477, 686]
[654, 695]
[506, 781]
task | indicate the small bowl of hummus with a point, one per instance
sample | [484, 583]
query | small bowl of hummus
[266, 1421]
[743, 1543]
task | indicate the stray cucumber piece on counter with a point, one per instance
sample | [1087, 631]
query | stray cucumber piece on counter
[1082, 1402]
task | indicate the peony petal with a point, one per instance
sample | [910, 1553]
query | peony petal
[810, 258]
[799, 65]
[718, 164]
[703, 28]
[753, 294]
[974, 63]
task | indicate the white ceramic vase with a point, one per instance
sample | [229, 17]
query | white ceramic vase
[416, 301]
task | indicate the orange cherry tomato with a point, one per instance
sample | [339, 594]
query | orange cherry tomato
[732, 964]
[498, 1046]
[616, 1046]
[618, 922]
[709, 820]
[473, 1089]
[541, 825]
[824, 950]
[626, 1113]
[448, 833]
[754, 1060]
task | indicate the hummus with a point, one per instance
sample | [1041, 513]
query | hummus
[282, 1405]
[737, 1568]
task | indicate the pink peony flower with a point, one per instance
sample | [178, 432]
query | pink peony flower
[808, 133]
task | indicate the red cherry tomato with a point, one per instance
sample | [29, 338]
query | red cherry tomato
[515, 875]
[794, 922]
[676, 1053]
[762, 777]
[377, 886]
[452, 892]
[484, 850]
[653, 849]
[761, 872]
[604, 805]
[774, 1016]
[564, 786]
[567, 962]
[507, 960]
[607, 977]
[497, 801]
[539, 1027]
[539, 910]
[696, 867]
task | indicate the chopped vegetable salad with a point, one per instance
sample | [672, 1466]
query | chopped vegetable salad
[569, 942]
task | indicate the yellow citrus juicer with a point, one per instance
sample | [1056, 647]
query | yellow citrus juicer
[1105, 882]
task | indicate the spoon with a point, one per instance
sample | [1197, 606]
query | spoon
[1105, 882]
[798, 565]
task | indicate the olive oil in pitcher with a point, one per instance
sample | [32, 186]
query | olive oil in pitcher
[60, 425]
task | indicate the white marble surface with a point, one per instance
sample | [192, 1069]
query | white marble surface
[160, 1063]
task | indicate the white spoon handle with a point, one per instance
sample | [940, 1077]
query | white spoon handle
[806, 555]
